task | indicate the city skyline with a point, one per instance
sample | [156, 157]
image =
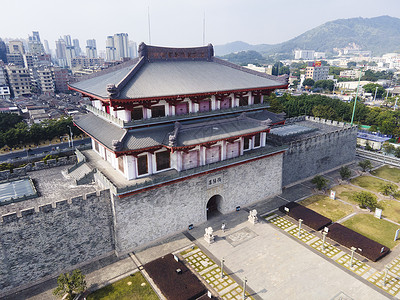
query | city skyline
[180, 23]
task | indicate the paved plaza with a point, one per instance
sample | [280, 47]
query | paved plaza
[277, 266]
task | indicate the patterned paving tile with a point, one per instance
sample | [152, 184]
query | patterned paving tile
[226, 287]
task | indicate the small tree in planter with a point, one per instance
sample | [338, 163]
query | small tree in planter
[70, 285]
[345, 172]
[320, 182]
[365, 165]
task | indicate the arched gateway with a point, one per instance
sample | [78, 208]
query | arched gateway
[212, 206]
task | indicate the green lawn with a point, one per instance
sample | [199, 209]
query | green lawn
[332, 209]
[346, 193]
[370, 183]
[388, 173]
[133, 287]
[391, 209]
[376, 229]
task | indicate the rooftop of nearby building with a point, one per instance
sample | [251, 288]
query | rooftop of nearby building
[51, 186]
[174, 72]
[372, 137]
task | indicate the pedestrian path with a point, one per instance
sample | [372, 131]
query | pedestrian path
[388, 281]
[226, 287]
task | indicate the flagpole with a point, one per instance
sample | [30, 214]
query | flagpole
[355, 101]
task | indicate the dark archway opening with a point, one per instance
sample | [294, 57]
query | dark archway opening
[213, 205]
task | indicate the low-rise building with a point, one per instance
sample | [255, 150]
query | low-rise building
[316, 71]
[373, 140]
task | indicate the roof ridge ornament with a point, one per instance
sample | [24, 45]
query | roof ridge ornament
[173, 138]
[112, 90]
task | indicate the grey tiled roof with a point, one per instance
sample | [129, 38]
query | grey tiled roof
[265, 115]
[173, 78]
[101, 130]
[96, 83]
[166, 78]
[190, 132]
[216, 130]
[147, 137]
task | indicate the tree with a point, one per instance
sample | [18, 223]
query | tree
[366, 200]
[308, 82]
[280, 69]
[70, 284]
[351, 64]
[345, 172]
[325, 85]
[389, 148]
[371, 87]
[324, 112]
[397, 152]
[389, 189]
[365, 165]
[320, 182]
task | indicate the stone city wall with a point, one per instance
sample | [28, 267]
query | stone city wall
[39, 165]
[38, 245]
[317, 154]
[150, 215]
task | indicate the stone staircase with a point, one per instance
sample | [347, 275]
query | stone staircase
[82, 173]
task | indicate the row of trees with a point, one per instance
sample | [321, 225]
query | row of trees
[14, 131]
[387, 121]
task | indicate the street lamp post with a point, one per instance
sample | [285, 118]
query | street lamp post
[299, 234]
[386, 272]
[244, 288]
[352, 255]
[324, 233]
[222, 268]
[376, 89]
[72, 140]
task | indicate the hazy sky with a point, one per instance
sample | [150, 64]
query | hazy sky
[180, 22]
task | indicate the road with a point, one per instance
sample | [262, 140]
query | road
[44, 149]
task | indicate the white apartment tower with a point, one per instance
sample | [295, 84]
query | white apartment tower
[121, 45]
[91, 49]
[110, 49]
[117, 47]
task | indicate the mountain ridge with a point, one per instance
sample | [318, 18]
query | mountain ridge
[379, 35]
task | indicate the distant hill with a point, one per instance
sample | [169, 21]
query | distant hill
[379, 35]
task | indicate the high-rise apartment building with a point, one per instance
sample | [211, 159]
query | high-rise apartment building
[16, 47]
[110, 49]
[60, 49]
[46, 47]
[67, 39]
[132, 49]
[3, 51]
[16, 59]
[91, 49]
[4, 88]
[117, 47]
[70, 54]
[29, 61]
[77, 48]
[34, 43]
[60, 77]
[121, 45]
[43, 79]
[19, 80]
